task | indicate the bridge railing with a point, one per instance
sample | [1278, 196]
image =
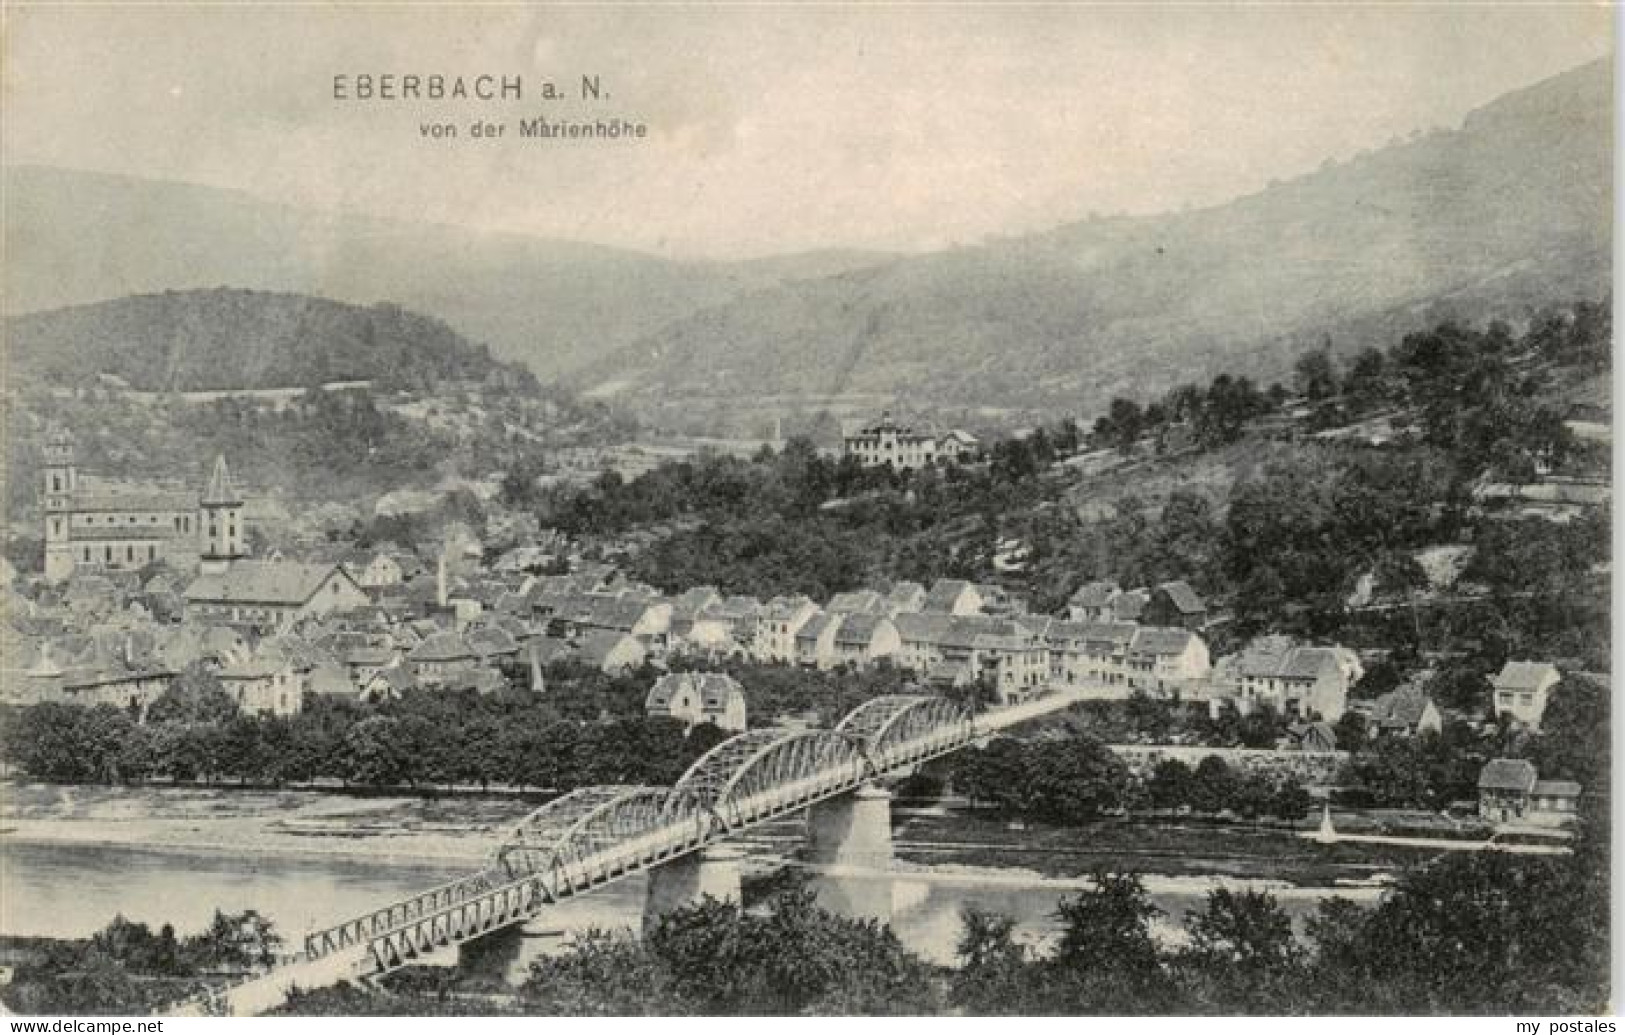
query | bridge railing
[466, 908]
[363, 928]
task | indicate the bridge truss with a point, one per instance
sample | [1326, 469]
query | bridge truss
[595, 835]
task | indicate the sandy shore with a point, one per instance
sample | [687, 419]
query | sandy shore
[399, 830]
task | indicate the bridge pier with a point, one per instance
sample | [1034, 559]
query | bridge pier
[849, 842]
[852, 831]
[507, 953]
[687, 879]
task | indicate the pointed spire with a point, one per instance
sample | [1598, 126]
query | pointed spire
[221, 491]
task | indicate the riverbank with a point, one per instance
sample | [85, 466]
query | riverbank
[1174, 849]
[297, 823]
[464, 831]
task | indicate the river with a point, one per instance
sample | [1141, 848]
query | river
[74, 890]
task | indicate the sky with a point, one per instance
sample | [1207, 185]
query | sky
[772, 129]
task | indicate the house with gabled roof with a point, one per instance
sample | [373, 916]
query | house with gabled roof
[863, 639]
[1296, 680]
[904, 597]
[953, 650]
[1522, 690]
[696, 697]
[953, 597]
[492, 644]
[815, 641]
[88, 677]
[1175, 605]
[271, 681]
[389, 684]
[996, 600]
[441, 655]
[1014, 660]
[373, 569]
[648, 621]
[1404, 712]
[1166, 660]
[1092, 601]
[266, 595]
[856, 602]
[1129, 605]
[610, 650]
[776, 627]
[919, 638]
[1504, 785]
[1091, 654]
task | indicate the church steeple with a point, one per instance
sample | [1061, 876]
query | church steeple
[220, 522]
[61, 482]
[222, 492]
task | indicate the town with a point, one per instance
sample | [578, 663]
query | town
[1144, 552]
[154, 647]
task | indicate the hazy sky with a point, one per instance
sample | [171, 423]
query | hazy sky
[773, 128]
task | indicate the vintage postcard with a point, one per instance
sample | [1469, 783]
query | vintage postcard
[806, 509]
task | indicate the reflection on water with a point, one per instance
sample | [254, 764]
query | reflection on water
[72, 891]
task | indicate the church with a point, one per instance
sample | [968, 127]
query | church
[101, 525]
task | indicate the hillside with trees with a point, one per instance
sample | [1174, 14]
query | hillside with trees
[225, 339]
[1506, 213]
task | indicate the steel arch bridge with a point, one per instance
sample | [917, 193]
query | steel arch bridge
[595, 835]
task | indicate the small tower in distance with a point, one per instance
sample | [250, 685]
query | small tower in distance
[61, 481]
[220, 521]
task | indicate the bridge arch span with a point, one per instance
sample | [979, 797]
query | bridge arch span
[902, 728]
[595, 829]
[765, 770]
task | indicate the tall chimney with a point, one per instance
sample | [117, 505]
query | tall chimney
[440, 593]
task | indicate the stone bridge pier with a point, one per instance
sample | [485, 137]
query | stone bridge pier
[507, 953]
[849, 844]
[687, 879]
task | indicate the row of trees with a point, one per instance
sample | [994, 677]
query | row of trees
[422, 741]
[1079, 780]
[128, 968]
[585, 728]
[1472, 933]
[1476, 391]
[1217, 414]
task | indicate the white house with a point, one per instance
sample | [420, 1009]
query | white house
[1166, 660]
[1522, 690]
[815, 641]
[1302, 681]
[863, 639]
[696, 697]
[776, 627]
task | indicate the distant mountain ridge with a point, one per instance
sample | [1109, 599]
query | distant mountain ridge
[234, 339]
[1509, 212]
[74, 237]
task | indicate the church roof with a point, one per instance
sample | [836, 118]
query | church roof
[221, 491]
[115, 496]
[262, 582]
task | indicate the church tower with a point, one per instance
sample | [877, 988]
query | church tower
[220, 521]
[61, 481]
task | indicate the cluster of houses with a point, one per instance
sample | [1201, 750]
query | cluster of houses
[375, 623]
[372, 624]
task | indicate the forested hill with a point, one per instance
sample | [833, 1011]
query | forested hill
[1495, 219]
[232, 339]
